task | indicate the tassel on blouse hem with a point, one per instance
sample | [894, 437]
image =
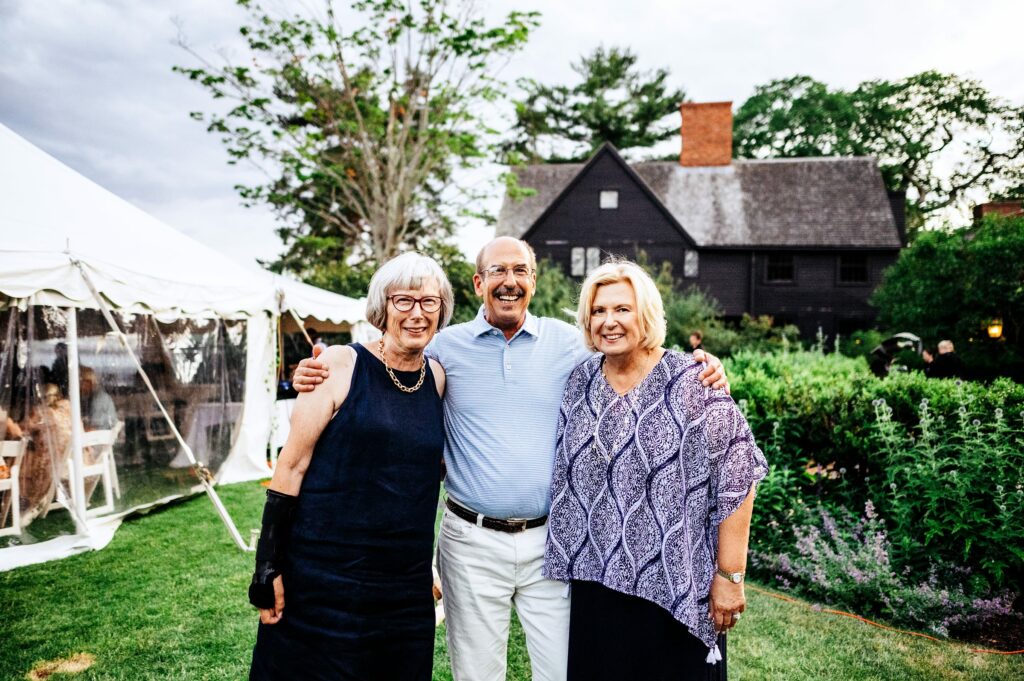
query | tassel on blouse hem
[714, 655]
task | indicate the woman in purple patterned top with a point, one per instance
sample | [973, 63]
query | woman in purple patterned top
[652, 495]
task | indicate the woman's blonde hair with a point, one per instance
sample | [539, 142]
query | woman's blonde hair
[649, 308]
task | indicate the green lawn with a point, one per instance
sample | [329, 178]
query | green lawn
[166, 600]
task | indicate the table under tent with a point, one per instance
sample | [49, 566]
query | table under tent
[136, 364]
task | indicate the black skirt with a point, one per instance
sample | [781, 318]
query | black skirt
[613, 637]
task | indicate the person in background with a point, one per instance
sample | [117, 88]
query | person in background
[696, 341]
[947, 364]
[928, 356]
[506, 371]
[98, 410]
[48, 428]
[58, 371]
[652, 494]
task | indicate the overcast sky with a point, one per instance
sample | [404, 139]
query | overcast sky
[90, 81]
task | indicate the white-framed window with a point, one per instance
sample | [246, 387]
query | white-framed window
[578, 261]
[609, 199]
[691, 264]
[584, 260]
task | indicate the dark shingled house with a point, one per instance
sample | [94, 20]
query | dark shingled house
[804, 240]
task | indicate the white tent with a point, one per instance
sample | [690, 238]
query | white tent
[64, 239]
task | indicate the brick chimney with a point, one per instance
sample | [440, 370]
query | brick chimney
[1004, 208]
[707, 134]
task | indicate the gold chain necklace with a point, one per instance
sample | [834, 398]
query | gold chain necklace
[394, 379]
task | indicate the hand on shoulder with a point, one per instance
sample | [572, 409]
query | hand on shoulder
[312, 371]
[713, 374]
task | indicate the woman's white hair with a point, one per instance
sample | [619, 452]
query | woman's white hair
[649, 308]
[409, 271]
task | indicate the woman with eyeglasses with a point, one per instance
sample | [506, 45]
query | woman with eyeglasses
[343, 567]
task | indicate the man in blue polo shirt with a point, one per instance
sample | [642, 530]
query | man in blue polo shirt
[506, 371]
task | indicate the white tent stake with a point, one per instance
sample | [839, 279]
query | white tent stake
[201, 471]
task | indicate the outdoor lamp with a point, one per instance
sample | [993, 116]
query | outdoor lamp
[995, 328]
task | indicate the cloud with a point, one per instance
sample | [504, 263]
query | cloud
[91, 82]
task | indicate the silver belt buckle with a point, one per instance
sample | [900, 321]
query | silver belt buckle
[518, 522]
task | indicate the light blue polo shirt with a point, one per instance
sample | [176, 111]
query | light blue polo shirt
[501, 406]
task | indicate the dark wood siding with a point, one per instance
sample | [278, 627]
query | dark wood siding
[577, 219]
[816, 298]
[725, 275]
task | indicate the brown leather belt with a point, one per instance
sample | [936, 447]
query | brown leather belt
[511, 525]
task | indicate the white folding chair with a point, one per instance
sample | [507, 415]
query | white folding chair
[13, 450]
[103, 466]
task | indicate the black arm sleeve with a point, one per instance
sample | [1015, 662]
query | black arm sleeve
[277, 524]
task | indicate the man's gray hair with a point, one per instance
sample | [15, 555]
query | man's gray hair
[408, 271]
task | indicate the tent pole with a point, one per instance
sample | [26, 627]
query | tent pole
[302, 326]
[75, 478]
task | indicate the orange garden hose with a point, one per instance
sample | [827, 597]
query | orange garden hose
[876, 624]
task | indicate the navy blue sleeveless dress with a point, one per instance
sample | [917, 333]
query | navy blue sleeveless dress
[357, 580]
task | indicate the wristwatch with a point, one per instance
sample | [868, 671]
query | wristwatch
[734, 577]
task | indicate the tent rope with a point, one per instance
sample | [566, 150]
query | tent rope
[201, 471]
[302, 327]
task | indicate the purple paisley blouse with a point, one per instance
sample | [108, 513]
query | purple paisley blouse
[641, 483]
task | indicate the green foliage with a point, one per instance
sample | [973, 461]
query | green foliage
[860, 343]
[837, 435]
[614, 101]
[359, 131]
[460, 274]
[912, 126]
[951, 284]
[956, 486]
[339, 276]
[556, 294]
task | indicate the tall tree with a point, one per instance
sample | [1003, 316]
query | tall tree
[936, 136]
[614, 101]
[359, 124]
[953, 284]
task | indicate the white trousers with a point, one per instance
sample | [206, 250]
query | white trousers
[483, 574]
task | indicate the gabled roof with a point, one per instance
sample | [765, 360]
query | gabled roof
[609, 150]
[802, 202]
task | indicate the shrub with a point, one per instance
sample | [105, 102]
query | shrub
[946, 475]
[556, 295]
[955, 486]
